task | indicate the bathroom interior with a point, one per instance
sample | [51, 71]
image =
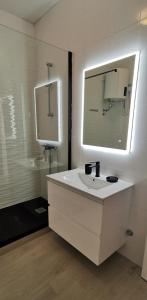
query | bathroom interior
[73, 162]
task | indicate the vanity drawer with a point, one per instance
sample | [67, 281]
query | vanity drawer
[80, 210]
[86, 242]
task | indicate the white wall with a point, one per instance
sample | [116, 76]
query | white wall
[16, 23]
[96, 31]
[79, 25]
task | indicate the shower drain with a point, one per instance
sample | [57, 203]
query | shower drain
[40, 210]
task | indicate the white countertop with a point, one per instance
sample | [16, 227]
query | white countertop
[71, 179]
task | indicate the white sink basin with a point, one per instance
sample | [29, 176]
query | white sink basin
[93, 182]
[89, 184]
[89, 181]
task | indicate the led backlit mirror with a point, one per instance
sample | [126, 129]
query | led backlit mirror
[109, 98]
[47, 111]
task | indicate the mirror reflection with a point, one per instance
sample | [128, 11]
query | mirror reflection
[107, 99]
[47, 112]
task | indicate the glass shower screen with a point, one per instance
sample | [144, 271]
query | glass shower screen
[24, 162]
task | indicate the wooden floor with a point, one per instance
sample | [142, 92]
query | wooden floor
[44, 267]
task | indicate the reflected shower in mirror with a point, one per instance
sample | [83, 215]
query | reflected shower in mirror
[47, 111]
[109, 95]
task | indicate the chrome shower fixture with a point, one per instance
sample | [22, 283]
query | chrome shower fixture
[50, 65]
[50, 114]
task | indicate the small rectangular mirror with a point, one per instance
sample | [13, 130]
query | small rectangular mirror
[47, 111]
[109, 96]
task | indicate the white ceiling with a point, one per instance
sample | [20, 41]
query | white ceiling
[30, 10]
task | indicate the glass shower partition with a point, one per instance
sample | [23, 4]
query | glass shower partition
[24, 162]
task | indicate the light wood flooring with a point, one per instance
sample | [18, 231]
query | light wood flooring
[44, 267]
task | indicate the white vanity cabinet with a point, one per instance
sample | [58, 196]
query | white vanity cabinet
[96, 227]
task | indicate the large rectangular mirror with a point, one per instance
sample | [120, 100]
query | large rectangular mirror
[109, 97]
[47, 111]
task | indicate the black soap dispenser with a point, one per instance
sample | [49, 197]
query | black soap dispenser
[88, 169]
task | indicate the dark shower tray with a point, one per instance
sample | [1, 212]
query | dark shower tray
[22, 219]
